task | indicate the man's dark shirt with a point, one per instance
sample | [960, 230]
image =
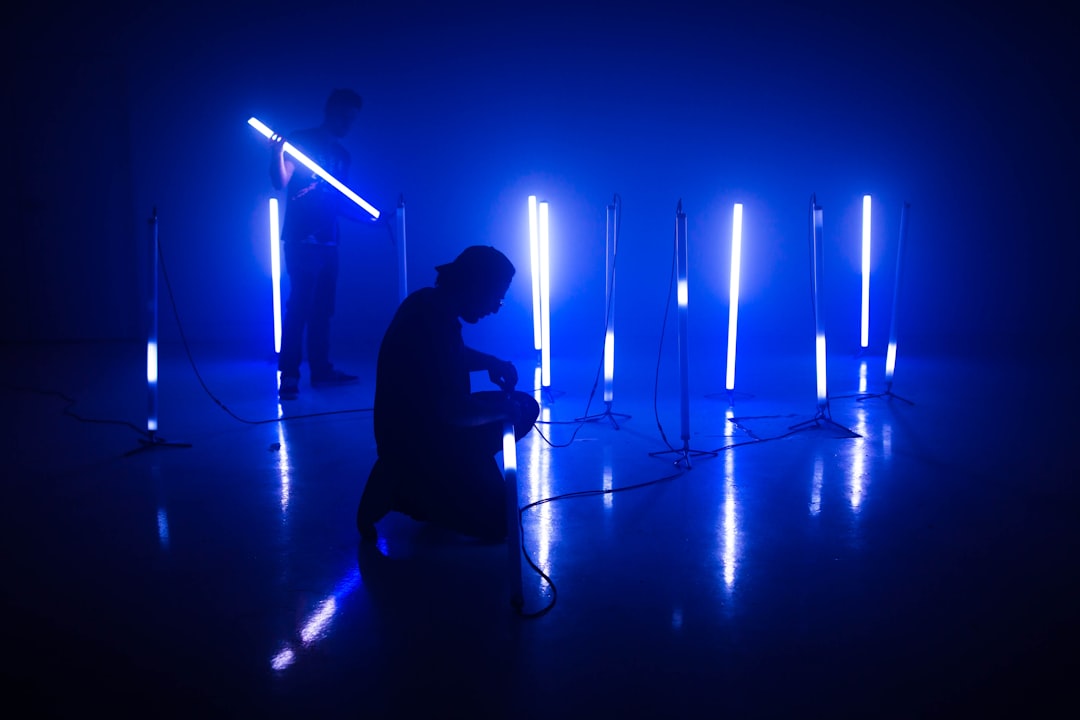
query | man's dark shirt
[314, 204]
[422, 381]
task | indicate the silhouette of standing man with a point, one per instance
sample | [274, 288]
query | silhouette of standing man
[311, 237]
[436, 439]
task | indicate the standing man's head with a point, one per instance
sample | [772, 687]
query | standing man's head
[476, 281]
[341, 110]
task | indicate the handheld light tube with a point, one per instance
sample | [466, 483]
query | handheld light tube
[316, 168]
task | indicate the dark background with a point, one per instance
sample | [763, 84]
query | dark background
[968, 113]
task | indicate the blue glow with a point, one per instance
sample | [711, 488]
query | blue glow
[815, 490]
[608, 476]
[865, 271]
[275, 269]
[729, 523]
[858, 458]
[316, 168]
[317, 625]
[163, 528]
[534, 255]
[733, 303]
[545, 297]
[284, 469]
[676, 619]
[403, 267]
[862, 376]
[283, 659]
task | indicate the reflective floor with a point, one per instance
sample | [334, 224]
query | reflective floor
[895, 556]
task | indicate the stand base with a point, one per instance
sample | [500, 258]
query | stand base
[154, 442]
[606, 414]
[822, 419]
[685, 453]
[888, 394]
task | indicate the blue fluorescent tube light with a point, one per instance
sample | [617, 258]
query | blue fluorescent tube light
[545, 295]
[513, 544]
[275, 269]
[865, 271]
[819, 354]
[315, 168]
[609, 277]
[890, 355]
[733, 305]
[534, 256]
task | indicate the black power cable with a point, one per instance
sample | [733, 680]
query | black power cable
[198, 375]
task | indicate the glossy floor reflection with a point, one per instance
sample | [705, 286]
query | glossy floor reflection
[903, 560]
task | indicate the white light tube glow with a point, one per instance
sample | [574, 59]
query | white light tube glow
[275, 269]
[315, 168]
[609, 364]
[733, 303]
[822, 394]
[151, 361]
[545, 295]
[534, 255]
[865, 270]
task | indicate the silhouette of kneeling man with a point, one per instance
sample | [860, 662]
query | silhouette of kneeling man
[436, 439]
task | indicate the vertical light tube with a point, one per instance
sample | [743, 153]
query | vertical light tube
[403, 274]
[865, 337]
[152, 328]
[890, 356]
[513, 536]
[609, 334]
[545, 296]
[683, 292]
[275, 269]
[733, 303]
[534, 255]
[817, 257]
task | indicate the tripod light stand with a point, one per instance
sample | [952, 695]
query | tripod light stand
[681, 260]
[890, 354]
[152, 441]
[611, 243]
[822, 416]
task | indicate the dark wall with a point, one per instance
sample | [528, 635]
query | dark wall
[966, 114]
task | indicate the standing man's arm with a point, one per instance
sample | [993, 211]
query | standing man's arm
[281, 167]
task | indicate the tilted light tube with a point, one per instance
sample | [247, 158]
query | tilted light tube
[316, 168]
